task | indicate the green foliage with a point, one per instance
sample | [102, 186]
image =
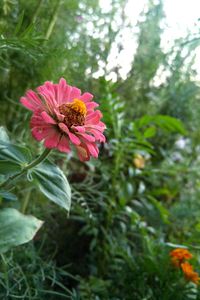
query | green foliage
[13, 152]
[15, 160]
[53, 184]
[18, 282]
[164, 122]
[124, 220]
[16, 228]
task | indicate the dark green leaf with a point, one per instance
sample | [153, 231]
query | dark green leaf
[10, 152]
[8, 196]
[165, 122]
[19, 24]
[164, 213]
[9, 167]
[53, 184]
[15, 153]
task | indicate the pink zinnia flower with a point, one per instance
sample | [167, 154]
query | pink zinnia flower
[62, 116]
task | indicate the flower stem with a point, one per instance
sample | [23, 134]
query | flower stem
[38, 160]
[25, 202]
[34, 163]
[4, 268]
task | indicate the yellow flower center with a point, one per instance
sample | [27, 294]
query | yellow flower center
[79, 106]
[74, 113]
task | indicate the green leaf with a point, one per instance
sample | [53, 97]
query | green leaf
[176, 245]
[150, 132]
[8, 196]
[145, 120]
[12, 156]
[165, 122]
[164, 213]
[53, 184]
[170, 124]
[3, 135]
[16, 228]
[15, 153]
[19, 23]
[9, 167]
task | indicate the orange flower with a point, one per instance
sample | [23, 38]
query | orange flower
[189, 273]
[179, 255]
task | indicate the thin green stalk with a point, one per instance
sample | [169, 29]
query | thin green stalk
[52, 21]
[4, 267]
[25, 202]
[34, 163]
[37, 11]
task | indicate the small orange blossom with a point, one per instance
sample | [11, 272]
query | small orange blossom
[189, 273]
[179, 255]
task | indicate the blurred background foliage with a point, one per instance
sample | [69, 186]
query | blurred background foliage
[141, 197]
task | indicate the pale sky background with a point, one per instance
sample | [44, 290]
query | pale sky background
[181, 16]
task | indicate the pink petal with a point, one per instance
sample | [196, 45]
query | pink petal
[37, 121]
[74, 139]
[63, 144]
[94, 151]
[33, 97]
[94, 117]
[79, 128]
[96, 127]
[53, 139]
[41, 133]
[46, 91]
[83, 153]
[24, 101]
[86, 97]
[98, 135]
[31, 101]
[102, 125]
[47, 118]
[62, 91]
[87, 137]
[91, 105]
[75, 94]
[59, 116]
[48, 87]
